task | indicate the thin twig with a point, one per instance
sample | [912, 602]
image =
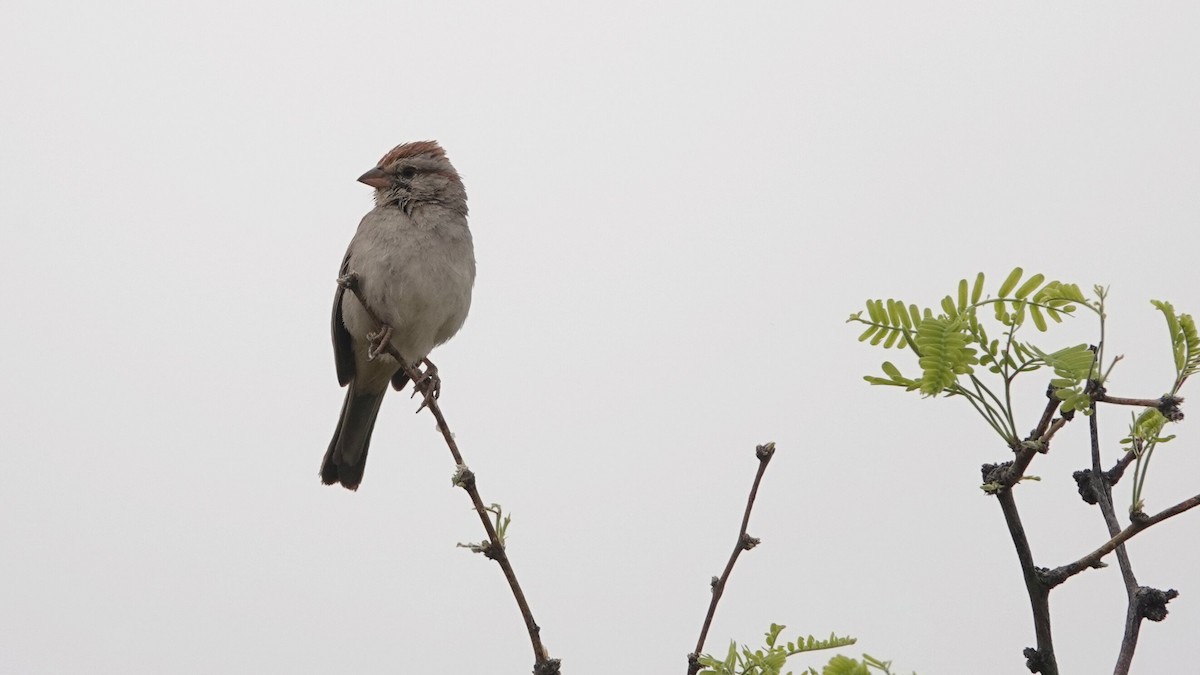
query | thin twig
[1129, 639]
[465, 478]
[1039, 439]
[1117, 400]
[1114, 474]
[1060, 574]
[1047, 415]
[744, 543]
[1102, 489]
[1103, 492]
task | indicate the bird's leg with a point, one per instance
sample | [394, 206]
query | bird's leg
[429, 384]
[379, 341]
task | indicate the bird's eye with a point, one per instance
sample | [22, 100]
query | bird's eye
[408, 172]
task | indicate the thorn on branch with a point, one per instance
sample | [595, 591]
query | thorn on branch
[1152, 603]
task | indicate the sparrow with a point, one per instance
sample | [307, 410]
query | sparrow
[412, 262]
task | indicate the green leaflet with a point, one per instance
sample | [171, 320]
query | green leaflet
[977, 290]
[1010, 282]
[1029, 286]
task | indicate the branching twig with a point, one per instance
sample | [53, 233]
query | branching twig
[744, 543]
[1168, 405]
[1038, 441]
[1114, 474]
[465, 478]
[1060, 574]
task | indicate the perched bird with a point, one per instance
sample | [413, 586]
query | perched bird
[413, 263]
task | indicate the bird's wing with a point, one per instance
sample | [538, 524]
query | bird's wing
[343, 350]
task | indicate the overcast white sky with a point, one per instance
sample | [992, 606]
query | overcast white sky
[675, 207]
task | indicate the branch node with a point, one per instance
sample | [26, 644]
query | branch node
[1046, 576]
[463, 478]
[1033, 660]
[1086, 483]
[547, 667]
[765, 451]
[749, 542]
[995, 477]
[1152, 603]
[1169, 407]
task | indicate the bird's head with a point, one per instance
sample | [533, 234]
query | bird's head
[417, 173]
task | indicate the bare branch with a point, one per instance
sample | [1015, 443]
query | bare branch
[1042, 659]
[744, 543]
[465, 478]
[1060, 574]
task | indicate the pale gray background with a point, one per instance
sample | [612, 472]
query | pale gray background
[675, 207]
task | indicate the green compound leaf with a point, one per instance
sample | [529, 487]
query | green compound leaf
[1072, 367]
[1185, 343]
[889, 323]
[1147, 427]
[894, 378]
[944, 354]
[1191, 364]
[844, 665]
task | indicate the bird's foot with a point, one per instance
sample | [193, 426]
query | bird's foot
[379, 342]
[348, 281]
[428, 384]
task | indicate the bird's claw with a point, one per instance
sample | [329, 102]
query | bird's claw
[429, 385]
[379, 342]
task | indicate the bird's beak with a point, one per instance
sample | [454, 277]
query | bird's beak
[376, 178]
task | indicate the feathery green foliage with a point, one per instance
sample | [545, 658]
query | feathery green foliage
[951, 343]
[771, 659]
[1185, 343]
[957, 355]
